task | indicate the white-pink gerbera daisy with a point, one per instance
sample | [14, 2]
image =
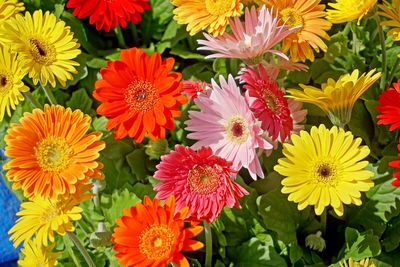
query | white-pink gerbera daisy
[227, 125]
[199, 180]
[251, 39]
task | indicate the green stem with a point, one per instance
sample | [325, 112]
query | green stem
[120, 37]
[71, 251]
[49, 94]
[384, 56]
[134, 34]
[394, 70]
[31, 99]
[207, 231]
[81, 249]
[323, 221]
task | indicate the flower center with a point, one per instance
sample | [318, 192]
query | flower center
[271, 102]
[237, 129]
[53, 154]
[49, 214]
[292, 18]
[325, 172]
[156, 242]
[203, 179]
[218, 7]
[42, 53]
[5, 81]
[141, 95]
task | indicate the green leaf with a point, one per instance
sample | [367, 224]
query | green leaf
[383, 204]
[182, 52]
[360, 245]
[81, 100]
[258, 253]
[114, 205]
[137, 161]
[282, 216]
[96, 63]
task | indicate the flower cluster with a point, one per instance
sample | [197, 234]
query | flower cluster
[233, 123]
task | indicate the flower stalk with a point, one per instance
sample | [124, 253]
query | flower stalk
[208, 234]
[49, 94]
[81, 249]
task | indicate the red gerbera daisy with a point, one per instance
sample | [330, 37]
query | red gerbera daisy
[149, 234]
[267, 102]
[389, 107]
[199, 180]
[396, 164]
[107, 14]
[140, 95]
[193, 88]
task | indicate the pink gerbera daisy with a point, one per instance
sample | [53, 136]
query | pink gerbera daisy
[193, 88]
[198, 180]
[227, 125]
[268, 102]
[251, 39]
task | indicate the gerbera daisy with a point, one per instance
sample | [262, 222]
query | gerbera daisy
[198, 180]
[337, 98]
[389, 107]
[267, 102]
[43, 218]
[44, 45]
[35, 254]
[109, 14]
[324, 168]
[9, 8]
[227, 125]
[250, 40]
[348, 10]
[140, 95]
[210, 15]
[149, 234]
[193, 88]
[352, 263]
[298, 115]
[51, 152]
[392, 12]
[309, 17]
[11, 85]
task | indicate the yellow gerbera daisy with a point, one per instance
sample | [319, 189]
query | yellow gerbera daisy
[9, 8]
[45, 45]
[43, 218]
[337, 98]
[308, 14]
[362, 263]
[35, 254]
[392, 12]
[348, 10]
[212, 15]
[324, 168]
[11, 85]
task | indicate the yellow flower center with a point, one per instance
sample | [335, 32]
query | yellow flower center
[49, 214]
[292, 18]
[203, 179]
[141, 95]
[272, 102]
[325, 172]
[237, 130]
[5, 81]
[156, 242]
[53, 154]
[42, 52]
[218, 7]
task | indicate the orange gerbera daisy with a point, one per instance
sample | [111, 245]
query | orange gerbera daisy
[51, 153]
[140, 95]
[308, 14]
[152, 235]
